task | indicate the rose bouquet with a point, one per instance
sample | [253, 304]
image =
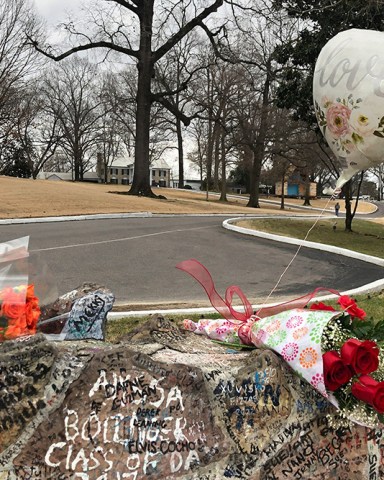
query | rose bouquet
[19, 312]
[338, 351]
[353, 363]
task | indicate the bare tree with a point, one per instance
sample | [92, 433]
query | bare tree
[118, 94]
[144, 32]
[198, 131]
[17, 61]
[37, 129]
[72, 91]
[176, 76]
[17, 56]
[251, 41]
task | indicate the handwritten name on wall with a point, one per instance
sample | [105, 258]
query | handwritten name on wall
[130, 415]
[23, 376]
[87, 317]
[112, 413]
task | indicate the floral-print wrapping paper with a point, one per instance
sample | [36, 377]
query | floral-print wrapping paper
[296, 336]
[293, 334]
[220, 330]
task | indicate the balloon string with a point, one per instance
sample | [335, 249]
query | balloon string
[297, 252]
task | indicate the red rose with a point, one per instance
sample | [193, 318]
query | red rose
[321, 306]
[363, 357]
[368, 390]
[351, 307]
[336, 373]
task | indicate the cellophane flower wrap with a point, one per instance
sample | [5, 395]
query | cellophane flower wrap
[335, 349]
[19, 306]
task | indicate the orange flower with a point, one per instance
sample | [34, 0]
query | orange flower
[32, 312]
[13, 305]
[13, 331]
[31, 293]
[20, 310]
[5, 292]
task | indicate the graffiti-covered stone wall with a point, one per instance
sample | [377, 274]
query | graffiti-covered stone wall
[166, 404]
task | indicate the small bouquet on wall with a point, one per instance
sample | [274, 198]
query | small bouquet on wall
[353, 362]
[19, 306]
[337, 350]
[19, 312]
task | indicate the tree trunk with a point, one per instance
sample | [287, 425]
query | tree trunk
[307, 200]
[76, 160]
[347, 191]
[105, 171]
[181, 152]
[140, 183]
[209, 134]
[282, 205]
[223, 196]
[380, 185]
[259, 150]
[81, 157]
[217, 158]
[254, 184]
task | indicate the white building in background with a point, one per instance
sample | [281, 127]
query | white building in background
[121, 171]
[189, 183]
[67, 176]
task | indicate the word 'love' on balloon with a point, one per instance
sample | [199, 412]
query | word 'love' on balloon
[348, 94]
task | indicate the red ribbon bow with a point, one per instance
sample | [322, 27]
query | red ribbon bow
[225, 308]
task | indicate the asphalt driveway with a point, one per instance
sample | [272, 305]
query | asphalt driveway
[136, 258]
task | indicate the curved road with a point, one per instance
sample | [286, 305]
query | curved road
[136, 258]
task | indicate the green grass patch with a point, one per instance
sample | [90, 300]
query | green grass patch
[367, 237]
[372, 303]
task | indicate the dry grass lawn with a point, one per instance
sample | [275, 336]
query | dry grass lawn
[24, 198]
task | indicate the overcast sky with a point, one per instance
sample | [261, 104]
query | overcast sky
[54, 11]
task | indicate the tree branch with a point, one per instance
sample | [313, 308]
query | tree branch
[80, 48]
[188, 27]
[158, 95]
[129, 6]
[172, 108]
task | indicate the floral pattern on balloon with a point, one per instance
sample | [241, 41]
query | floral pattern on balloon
[346, 123]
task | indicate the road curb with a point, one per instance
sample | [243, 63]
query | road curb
[74, 218]
[369, 287]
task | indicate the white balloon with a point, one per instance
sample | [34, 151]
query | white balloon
[348, 94]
